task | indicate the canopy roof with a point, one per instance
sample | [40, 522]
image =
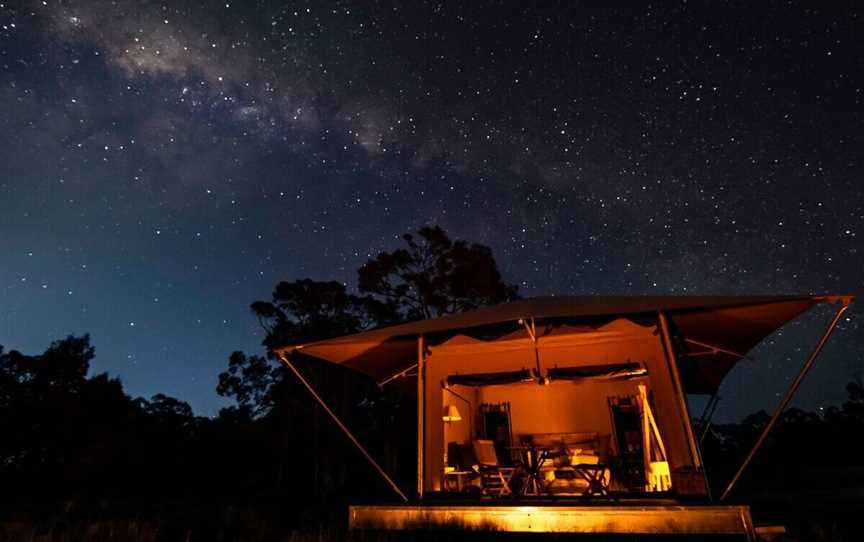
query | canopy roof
[712, 332]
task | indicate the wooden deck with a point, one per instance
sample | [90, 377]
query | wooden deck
[612, 518]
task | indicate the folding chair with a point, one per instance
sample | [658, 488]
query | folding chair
[494, 478]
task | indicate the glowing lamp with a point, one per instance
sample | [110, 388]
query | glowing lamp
[451, 414]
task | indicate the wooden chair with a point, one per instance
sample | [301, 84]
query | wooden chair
[494, 477]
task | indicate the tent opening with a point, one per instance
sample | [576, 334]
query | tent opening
[581, 431]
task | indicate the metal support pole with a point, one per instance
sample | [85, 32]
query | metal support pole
[344, 429]
[531, 328]
[421, 417]
[706, 426]
[646, 437]
[470, 413]
[680, 393]
[401, 374]
[788, 397]
[706, 411]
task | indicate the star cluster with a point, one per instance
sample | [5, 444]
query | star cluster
[164, 164]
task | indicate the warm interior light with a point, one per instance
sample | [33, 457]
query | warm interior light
[451, 414]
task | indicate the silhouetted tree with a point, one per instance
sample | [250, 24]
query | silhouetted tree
[433, 276]
[249, 381]
[308, 310]
[163, 407]
[70, 438]
[40, 396]
[854, 406]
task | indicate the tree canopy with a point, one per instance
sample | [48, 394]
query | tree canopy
[433, 276]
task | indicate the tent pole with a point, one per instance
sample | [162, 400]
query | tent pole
[680, 393]
[401, 374]
[470, 413]
[646, 437]
[788, 397]
[704, 428]
[531, 328]
[714, 349]
[706, 410]
[344, 429]
[421, 416]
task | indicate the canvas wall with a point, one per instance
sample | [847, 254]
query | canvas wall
[629, 342]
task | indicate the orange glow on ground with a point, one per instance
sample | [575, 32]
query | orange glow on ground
[618, 519]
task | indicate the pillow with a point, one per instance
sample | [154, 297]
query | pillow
[584, 459]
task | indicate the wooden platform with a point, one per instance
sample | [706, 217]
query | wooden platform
[613, 518]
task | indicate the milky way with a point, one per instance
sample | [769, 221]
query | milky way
[165, 164]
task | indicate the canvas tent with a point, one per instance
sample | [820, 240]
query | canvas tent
[566, 348]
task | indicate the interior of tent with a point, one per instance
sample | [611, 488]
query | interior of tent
[557, 410]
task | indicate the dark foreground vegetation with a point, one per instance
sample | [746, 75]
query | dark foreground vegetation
[80, 459]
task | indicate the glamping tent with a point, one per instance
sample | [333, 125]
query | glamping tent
[571, 398]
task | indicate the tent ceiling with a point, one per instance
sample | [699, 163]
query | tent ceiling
[712, 331]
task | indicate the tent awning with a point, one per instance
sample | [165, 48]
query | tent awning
[714, 332]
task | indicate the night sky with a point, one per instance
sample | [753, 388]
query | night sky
[164, 164]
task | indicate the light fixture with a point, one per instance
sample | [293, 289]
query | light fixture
[451, 414]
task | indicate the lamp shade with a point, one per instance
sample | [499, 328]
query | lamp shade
[451, 414]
